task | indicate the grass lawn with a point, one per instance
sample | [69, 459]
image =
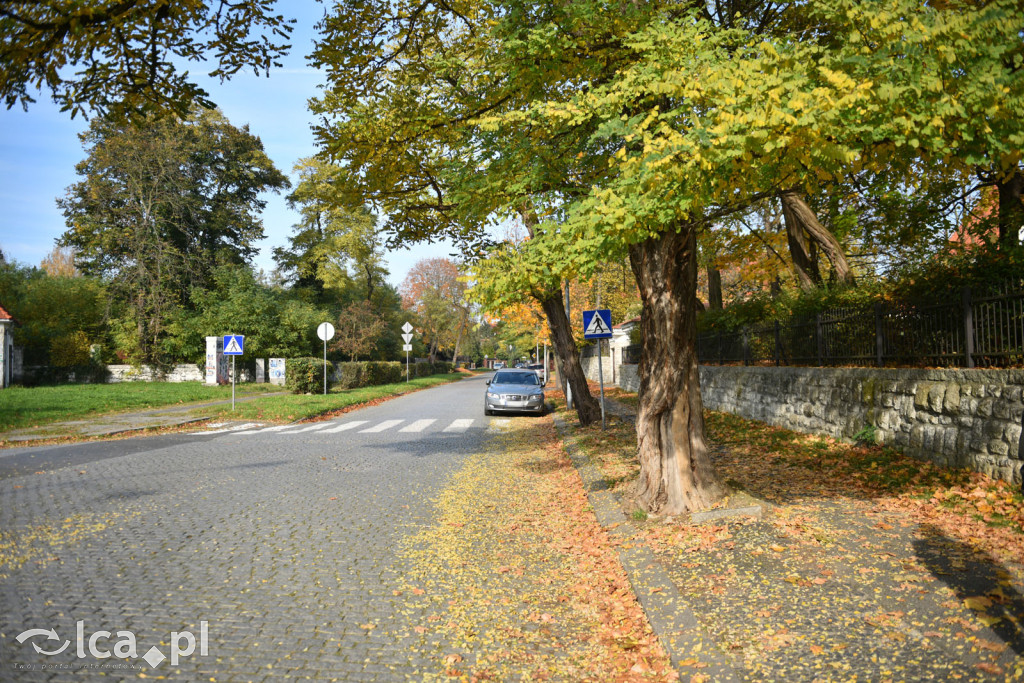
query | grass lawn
[28, 407]
[304, 406]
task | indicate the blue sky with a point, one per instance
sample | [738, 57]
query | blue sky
[39, 150]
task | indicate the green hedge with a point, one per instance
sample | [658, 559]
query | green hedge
[373, 373]
[306, 375]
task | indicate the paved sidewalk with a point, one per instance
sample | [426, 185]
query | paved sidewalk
[120, 423]
[823, 588]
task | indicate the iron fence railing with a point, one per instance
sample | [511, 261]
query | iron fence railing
[963, 331]
[967, 329]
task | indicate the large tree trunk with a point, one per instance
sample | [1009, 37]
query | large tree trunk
[1011, 208]
[567, 358]
[458, 341]
[676, 474]
[804, 259]
[714, 289]
[798, 214]
[587, 408]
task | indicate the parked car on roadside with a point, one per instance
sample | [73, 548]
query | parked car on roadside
[514, 391]
[542, 373]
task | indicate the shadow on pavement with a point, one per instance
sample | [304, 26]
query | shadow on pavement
[975, 578]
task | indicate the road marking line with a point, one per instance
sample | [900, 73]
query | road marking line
[386, 424]
[345, 426]
[459, 425]
[233, 429]
[499, 424]
[418, 426]
[319, 425]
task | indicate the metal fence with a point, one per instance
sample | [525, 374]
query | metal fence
[968, 329]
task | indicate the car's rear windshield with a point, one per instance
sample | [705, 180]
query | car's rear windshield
[515, 378]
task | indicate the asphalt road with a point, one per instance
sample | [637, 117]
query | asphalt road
[282, 541]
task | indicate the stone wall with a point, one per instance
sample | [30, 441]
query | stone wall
[591, 364]
[186, 372]
[629, 377]
[959, 418]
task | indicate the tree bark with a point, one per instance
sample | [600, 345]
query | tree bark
[676, 474]
[714, 289]
[805, 261]
[796, 210]
[587, 408]
[1011, 208]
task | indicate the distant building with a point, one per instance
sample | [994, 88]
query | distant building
[7, 323]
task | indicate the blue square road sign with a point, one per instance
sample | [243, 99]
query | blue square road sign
[234, 344]
[597, 324]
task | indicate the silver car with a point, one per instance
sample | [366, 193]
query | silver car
[514, 391]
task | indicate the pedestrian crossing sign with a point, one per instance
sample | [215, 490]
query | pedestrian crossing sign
[233, 344]
[597, 324]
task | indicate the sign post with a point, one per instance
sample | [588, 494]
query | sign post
[407, 347]
[597, 324]
[233, 346]
[325, 331]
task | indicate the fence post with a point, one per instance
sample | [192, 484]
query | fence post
[965, 297]
[819, 340]
[778, 350]
[720, 360]
[879, 335]
[746, 346]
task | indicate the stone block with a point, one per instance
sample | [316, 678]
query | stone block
[998, 447]
[984, 408]
[921, 396]
[1012, 436]
[994, 429]
[949, 441]
[951, 402]
[916, 436]
[1001, 410]
[936, 396]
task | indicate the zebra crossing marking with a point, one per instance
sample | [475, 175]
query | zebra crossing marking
[417, 426]
[344, 427]
[333, 427]
[386, 424]
[233, 428]
[459, 425]
[311, 428]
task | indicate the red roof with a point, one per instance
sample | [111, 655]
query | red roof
[4, 315]
[627, 322]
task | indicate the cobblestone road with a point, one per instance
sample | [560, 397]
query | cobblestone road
[283, 546]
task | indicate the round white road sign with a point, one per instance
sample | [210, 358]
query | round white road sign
[325, 331]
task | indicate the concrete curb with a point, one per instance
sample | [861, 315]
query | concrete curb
[671, 618]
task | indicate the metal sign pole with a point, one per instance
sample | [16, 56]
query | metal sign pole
[232, 384]
[565, 380]
[600, 376]
[325, 367]
[406, 367]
